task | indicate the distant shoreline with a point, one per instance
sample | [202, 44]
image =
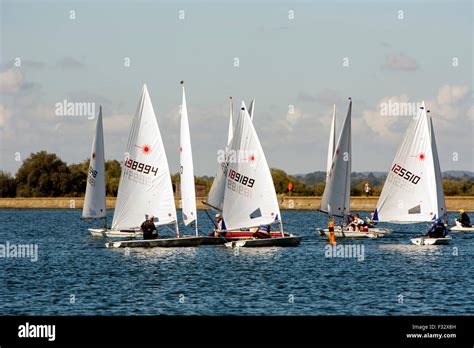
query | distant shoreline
[453, 203]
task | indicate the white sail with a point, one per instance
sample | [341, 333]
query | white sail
[188, 191]
[336, 196]
[332, 143]
[94, 201]
[250, 198]
[413, 189]
[215, 198]
[230, 131]
[252, 109]
[145, 184]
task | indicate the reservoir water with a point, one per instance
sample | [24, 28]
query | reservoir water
[76, 275]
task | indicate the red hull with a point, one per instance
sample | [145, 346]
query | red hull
[248, 234]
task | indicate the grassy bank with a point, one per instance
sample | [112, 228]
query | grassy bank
[286, 202]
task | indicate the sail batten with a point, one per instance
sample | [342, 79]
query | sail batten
[145, 184]
[94, 201]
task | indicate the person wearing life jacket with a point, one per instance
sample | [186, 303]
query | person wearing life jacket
[438, 230]
[220, 226]
[262, 232]
[357, 223]
[149, 229]
[464, 219]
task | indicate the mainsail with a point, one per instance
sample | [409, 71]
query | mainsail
[252, 109]
[332, 143]
[215, 198]
[188, 191]
[94, 201]
[250, 198]
[145, 184]
[413, 189]
[336, 196]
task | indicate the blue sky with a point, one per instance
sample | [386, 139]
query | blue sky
[283, 62]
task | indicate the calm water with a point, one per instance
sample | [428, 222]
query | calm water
[213, 280]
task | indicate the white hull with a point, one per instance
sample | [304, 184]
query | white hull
[459, 228]
[430, 241]
[374, 232]
[102, 232]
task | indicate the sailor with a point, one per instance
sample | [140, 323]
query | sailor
[464, 219]
[357, 223]
[438, 230]
[149, 229]
[220, 227]
[262, 232]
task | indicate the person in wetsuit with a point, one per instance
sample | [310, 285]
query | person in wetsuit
[149, 229]
[438, 230]
[464, 219]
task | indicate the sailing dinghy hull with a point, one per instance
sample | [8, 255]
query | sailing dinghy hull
[459, 228]
[371, 233]
[213, 241]
[232, 236]
[102, 232]
[291, 241]
[430, 241]
[182, 242]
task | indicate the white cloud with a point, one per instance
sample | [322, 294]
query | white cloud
[10, 81]
[5, 115]
[383, 125]
[400, 62]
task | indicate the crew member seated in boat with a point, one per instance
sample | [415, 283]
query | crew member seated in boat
[464, 219]
[357, 223]
[263, 231]
[369, 220]
[438, 230]
[149, 228]
[220, 226]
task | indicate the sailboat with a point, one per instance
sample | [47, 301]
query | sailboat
[413, 190]
[336, 196]
[460, 228]
[94, 201]
[249, 197]
[145, 184]
[215, 198]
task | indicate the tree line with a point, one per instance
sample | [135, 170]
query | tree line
[44, 174]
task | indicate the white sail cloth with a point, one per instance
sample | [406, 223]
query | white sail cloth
[145, 184]
[413, 189]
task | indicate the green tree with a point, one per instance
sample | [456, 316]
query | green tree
[78, 179]
[43, 175]
[112, 177]
[7, 185]
[319, 188]
[280, 180]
